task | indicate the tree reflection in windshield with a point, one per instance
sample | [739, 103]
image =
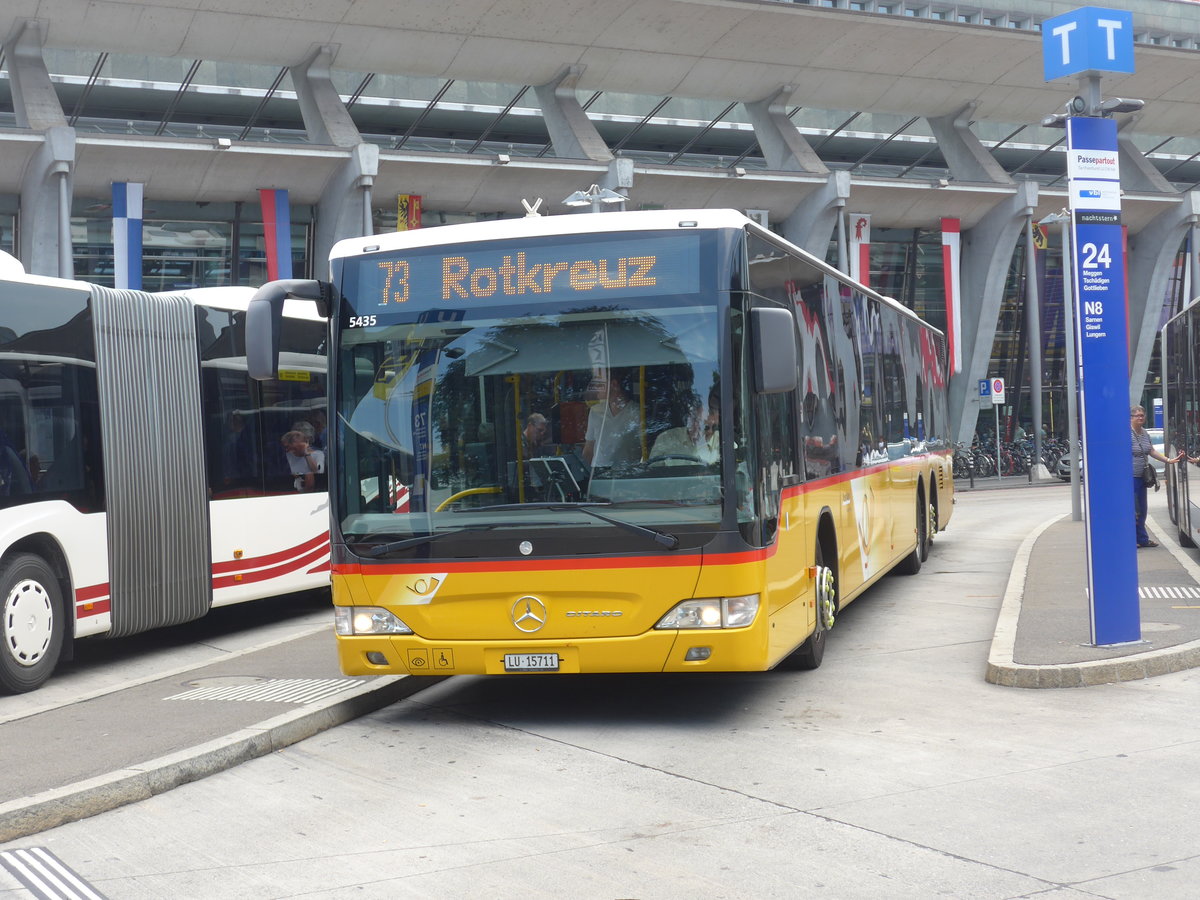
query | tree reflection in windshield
[598, 404]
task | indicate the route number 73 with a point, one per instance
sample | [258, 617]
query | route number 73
[1094, 257]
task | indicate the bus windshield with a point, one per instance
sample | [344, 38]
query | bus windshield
[598, 412]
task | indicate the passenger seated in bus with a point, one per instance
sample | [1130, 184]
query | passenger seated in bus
[305, 462]
[237, 451]
[697, 441]
[535, 438]
[305, 427]
[320, 424]
[614, 423]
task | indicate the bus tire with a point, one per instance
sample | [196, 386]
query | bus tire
[911, 564]
[810, 654]
[931, 522]
[32, 622]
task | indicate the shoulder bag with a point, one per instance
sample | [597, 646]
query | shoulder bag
[1149, 476]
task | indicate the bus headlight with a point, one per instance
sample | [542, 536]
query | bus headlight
[713, 612]
[350, 620]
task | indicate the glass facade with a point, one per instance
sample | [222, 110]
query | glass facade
[906, 264]
[186, 252]
[1010, 349]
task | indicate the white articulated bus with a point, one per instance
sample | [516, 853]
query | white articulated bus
[142, 476]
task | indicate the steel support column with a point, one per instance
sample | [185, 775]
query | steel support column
[46, 185]
[1137, 172]
[342, 209]
[783, 147]
[812, 223]
[572, 133]
[967, 158]
[326, 118]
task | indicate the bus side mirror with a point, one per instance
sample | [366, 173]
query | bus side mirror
[264, 317]
[773, 350]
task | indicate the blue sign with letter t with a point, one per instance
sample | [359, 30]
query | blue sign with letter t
[1088, 39]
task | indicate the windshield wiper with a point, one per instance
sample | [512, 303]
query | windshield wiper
[381, 549]
[664, 538]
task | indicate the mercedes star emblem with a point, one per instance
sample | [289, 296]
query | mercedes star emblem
[529, 614]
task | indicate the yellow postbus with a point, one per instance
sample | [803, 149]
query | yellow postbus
[628, 442]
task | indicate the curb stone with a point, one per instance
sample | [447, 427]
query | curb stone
[1002, 670]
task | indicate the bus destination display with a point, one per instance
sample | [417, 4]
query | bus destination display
[590, 271]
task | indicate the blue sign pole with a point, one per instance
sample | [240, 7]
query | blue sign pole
[1086, 42]
[1098, 262]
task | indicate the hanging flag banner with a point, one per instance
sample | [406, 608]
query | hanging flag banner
[277, 229]
[408, 212]
[127, 234]
[860, 248]
[951, 279]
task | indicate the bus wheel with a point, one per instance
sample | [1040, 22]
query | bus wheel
[931, 528]
[911, 564]
[33, 624]
[810, 654]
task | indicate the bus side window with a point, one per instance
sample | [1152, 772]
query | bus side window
[892, 370]
[777, 455]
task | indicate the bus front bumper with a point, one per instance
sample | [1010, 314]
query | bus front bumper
[716, 650]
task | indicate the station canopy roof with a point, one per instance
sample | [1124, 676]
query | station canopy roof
[662, 80]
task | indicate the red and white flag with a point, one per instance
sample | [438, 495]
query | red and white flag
[952, 278]
[860, 248]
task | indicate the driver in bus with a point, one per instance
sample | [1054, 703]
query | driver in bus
[696, 441]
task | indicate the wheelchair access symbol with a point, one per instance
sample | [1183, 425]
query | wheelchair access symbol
[439, 659]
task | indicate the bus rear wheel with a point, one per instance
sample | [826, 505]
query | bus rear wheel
[931, 525]
[911, 564]
[32, 622]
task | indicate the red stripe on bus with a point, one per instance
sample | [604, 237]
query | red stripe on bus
[842, 477]
[267, 574]
[270, 559]
[84, 594]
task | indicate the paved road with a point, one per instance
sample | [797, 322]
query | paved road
[893, 771]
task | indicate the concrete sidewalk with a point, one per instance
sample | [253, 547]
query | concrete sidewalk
[1042, 636]
[80, 759]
